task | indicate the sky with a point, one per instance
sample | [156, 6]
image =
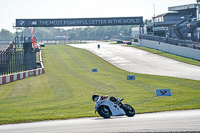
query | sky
[10, 10]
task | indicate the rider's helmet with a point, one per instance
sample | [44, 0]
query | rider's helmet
[95, 97]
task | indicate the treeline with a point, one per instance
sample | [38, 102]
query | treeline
[101, 32]
[6, 35]
[97, 32]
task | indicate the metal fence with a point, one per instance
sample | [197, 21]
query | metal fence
[172, 41]
[12, 60]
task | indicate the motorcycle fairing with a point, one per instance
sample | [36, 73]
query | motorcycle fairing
[114, 108]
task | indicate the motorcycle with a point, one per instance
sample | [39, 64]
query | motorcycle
[112, 107]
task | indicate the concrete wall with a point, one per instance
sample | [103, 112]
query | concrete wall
[177, 50]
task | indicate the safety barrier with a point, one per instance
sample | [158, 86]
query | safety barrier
[172, 41]
[173, 49]
[21, 75]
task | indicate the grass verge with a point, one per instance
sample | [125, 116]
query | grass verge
[66, 88]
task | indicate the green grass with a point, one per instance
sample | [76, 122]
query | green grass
[66, 88]
[168, 55]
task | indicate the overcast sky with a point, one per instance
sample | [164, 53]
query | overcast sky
[17, 9]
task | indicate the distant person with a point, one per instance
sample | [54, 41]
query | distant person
[98, 46]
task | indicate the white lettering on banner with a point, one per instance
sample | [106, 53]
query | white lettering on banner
[120, 21]
[44, 22]
[34, 23]
[100, 21]
[85, 22]
[56, 22]
[131, 21]
[109, 21]
[117, 21]
[66, 22]
[73, 22]
[89, 22]
[80, 22]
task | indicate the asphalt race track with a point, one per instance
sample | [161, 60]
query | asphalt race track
[139, 61]
[172, 121]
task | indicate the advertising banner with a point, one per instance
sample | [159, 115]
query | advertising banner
[163, 92]
[79, 22]
[94, 70]
[130, 77]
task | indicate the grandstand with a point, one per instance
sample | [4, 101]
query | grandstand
[180, 22]
[176, 32]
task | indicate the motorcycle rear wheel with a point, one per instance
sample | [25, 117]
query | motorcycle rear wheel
[129, 110]
[104, 111]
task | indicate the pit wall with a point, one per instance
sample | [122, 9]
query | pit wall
[173, 49]
[22, 75]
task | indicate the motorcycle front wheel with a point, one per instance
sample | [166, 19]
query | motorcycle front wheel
[129, 110]
[104, 111]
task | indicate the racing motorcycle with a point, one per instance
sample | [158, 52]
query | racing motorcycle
[107, 107]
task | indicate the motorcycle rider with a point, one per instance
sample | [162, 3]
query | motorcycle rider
[95, 97]
[107, 107]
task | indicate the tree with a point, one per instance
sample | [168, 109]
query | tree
[146, 21]
[90, 32]
[73, 35]
[6, 35]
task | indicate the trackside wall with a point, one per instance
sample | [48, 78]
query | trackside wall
[22, 75]
[173, 49]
